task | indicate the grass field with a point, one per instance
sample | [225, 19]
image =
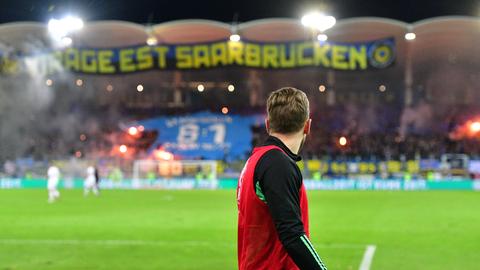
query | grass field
[197, 229]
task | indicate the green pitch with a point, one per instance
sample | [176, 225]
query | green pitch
[197, 230]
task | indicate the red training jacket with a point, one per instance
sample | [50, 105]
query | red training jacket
[259, 247]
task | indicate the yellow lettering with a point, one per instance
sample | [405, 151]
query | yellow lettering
[144, 58]
[321, 57]
[301, 48]
[219, 54]
[89, 63]
[270, 56]
[201, 56]
[126, 60]
[394, 166]
[184, 57]
[413, 166]
[162, 56]
[358, 56]
[363, 167]
[72, 59]
[338, 57]
[284, 62]
[335, 167]
[235, 53]
[252, 55]
[105, 61]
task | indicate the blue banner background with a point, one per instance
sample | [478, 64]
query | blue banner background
[204, 135]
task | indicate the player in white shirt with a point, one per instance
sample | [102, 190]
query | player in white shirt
[52, 183]
[90, 183]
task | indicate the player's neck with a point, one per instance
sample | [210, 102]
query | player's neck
[292, 142]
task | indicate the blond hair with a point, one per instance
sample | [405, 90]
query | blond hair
[288, 110]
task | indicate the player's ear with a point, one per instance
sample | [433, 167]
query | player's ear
[267, 125]
[308, 125]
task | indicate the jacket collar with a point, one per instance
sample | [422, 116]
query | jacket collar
[272, 140]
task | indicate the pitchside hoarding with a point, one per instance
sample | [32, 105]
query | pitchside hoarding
[189, 184]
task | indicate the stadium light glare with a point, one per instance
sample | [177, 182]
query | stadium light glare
[410, 36]
[152, 41]
[132, 131]
[318, 21]
[475, 127]
[139, 88]
[200, 88]
[231, 88]
[60, 28]
[123, 148]
[322, 37]
[66, 41]
[235, 37]
[342, 141]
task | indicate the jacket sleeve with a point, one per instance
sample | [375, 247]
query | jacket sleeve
[279, 184]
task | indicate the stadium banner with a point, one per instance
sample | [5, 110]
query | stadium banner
[332, 167]
[376, 54]
[190, 184]
[204, 135]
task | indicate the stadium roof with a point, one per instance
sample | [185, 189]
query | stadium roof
[117, 33]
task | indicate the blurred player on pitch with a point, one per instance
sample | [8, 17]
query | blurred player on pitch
[52, 183]
[91, 181]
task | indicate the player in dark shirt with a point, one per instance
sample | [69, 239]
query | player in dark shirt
[273, 231]
[280, 180]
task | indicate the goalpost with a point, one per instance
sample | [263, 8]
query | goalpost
[174, 169]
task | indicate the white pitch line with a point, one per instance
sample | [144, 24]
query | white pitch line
[367, 257]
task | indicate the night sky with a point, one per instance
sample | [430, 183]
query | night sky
[142, 11]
